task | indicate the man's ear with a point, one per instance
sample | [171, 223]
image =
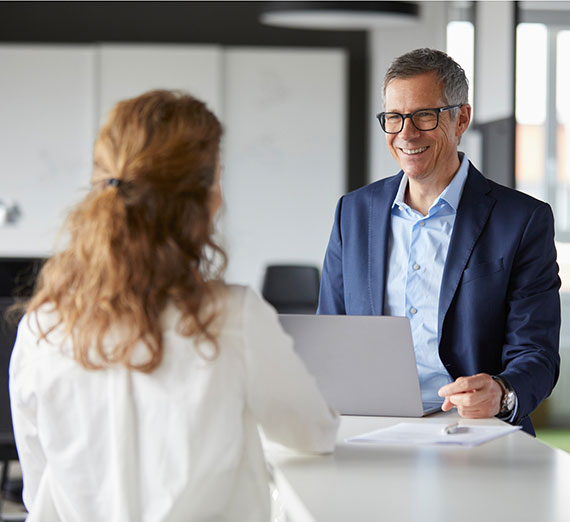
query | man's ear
[462, 120]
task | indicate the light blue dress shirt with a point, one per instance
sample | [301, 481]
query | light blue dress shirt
[417, 251]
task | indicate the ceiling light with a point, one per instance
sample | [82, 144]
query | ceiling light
[339, 15]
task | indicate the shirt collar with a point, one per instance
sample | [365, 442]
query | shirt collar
[451, 194]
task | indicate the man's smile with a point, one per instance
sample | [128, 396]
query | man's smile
[411, 152]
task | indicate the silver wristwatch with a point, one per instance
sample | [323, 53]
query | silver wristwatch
[508, 398]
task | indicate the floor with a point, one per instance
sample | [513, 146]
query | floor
[559, 438]
[13, 511]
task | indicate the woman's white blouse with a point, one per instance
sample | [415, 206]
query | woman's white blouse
[178, 444]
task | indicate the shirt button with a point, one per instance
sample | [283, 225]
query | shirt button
[413, 310]
[416, 266]
[400, 209]
[422, 224]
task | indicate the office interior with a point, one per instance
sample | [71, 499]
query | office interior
[298, 107]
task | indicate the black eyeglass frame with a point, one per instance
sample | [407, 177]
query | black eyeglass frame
[381, 116]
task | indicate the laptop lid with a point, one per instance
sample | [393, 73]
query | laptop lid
[363, 365]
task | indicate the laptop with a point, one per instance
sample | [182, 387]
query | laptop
[363, 365]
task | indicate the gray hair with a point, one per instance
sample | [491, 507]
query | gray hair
[420, 61]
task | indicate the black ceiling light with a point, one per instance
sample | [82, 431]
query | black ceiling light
[339, 15]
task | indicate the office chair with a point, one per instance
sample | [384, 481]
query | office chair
[10, 489]
[17, 277]
[292, 289]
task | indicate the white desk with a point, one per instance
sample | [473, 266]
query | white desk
[515, 478]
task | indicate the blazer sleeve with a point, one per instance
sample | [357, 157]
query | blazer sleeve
[331, 294]
[530, 355]
[281, 394]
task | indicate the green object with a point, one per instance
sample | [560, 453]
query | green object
[555, 437]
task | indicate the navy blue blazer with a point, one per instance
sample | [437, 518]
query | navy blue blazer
[499, 303]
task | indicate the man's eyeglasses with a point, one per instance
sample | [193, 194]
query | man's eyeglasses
[423, 119]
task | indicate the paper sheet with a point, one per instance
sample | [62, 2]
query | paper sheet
[432, 433]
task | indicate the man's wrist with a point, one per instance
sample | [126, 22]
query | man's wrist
[508, 398]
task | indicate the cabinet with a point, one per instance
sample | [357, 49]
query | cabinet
[283, 112]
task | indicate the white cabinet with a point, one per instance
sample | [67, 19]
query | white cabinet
[46, 135]
[283, 112]
[125, 71]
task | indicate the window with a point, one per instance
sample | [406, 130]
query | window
[563, 125]
[542, 144]
[531, 78]
[461, 46]
[543, 125]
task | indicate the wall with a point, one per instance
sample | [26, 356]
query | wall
[494, 88]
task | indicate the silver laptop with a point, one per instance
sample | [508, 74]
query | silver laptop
[364, 365]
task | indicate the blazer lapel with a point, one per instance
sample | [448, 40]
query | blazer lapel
[378, 235]
[472, 214]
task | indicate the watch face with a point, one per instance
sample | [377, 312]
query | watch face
[510, 401]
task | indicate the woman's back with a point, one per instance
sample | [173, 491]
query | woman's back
[177, 444]
[138, 378]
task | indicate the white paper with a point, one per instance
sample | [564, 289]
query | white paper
[432, 433]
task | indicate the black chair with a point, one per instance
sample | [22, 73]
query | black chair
[18, 275]
[17, 278]
[11, 489]
[292, 289]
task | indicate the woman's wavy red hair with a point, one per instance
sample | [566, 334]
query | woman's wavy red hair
[143, 241]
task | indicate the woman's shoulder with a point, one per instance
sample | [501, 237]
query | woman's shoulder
[228, 303]
[241, 302]
[240, 295]
[39, 321]
[40, 335]
[246, 298]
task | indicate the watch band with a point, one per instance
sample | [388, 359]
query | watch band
[508, 397]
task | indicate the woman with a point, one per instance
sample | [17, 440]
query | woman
[138, 378]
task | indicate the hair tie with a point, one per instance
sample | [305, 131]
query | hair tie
[113, 182]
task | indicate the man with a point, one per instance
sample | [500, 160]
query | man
[471, 263]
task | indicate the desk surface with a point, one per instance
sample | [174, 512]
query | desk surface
[514, 478]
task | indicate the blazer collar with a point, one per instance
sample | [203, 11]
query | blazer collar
[474, 209]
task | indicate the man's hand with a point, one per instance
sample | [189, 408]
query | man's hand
[476, 397]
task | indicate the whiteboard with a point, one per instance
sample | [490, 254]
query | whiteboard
[284, 155]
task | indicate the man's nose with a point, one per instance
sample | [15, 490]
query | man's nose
[409, 130]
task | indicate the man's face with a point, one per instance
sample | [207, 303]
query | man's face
[424, 155]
